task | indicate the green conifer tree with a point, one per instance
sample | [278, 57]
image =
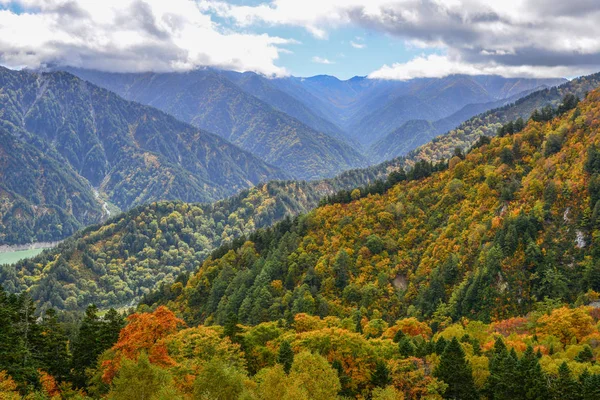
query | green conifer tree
[533, 381]
[381, 376]
[456, 372]
[285, 356]
[564, 387]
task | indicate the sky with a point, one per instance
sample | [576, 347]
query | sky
[385, 39]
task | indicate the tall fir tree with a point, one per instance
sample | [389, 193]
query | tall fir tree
[590, 386]
[456, 372]
[533, 380]
[53, 354]
[86, 347]
[381, 375]
[285, 356]
[502, 384]
[564, 387]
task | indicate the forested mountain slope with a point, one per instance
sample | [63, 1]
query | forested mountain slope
[131, 153]
[510, 224]
[211, 225]
[116, 263]
[266, 90]
[358, 111]
[41, 199]
[415, 133]
[437, 148]
[208, 100]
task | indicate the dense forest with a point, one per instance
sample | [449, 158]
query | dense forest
[115, 264]
[549, 354]
[40, 198]
[486, 238]
[84, 143]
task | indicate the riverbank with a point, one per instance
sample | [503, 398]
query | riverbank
[29, 246]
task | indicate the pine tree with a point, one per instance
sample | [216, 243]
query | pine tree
[531, 377]
[110, 327]
[27, 340]
[590, 385]
[86, 347]
[564, 387]
[502, 384]
[440, 345]
[231, 328]
[341, 266]
[54, 358]
[398, 336]
[455, 371]
[381, 376]
[585, 355]
[406, 347]
[286, 356]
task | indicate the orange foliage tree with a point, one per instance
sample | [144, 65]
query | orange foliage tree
[566, 323]
[144, 332]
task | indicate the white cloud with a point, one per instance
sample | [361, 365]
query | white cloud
[439, 66]
[357, 45]
[509, 36]
[320, 60]
[130, 35]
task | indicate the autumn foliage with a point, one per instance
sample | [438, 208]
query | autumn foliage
[144, 332]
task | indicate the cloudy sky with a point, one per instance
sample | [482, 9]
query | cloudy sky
[391, 39]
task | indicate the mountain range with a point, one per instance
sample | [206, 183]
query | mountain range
[358, 112]
[91, 139]
[103, 152]
[494, 232]
[210, 101]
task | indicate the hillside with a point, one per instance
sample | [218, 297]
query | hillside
[117, 263]
[359, 112]
[488, 123]
[130, 153]
[507, 226]
[450, 284]
[407, 137]
[211, 225]
[415, 133]
[40, 198]
[265, 90]
[210, 101]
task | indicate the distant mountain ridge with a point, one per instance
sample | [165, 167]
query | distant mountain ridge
[368, 109]
[360, 112]
[415, 133]
[209, 100]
